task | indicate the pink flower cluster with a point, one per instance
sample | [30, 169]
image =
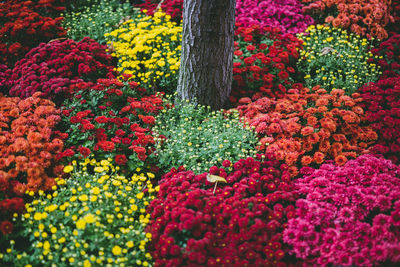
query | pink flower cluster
[52, 67]
[350, 215]
[381, 101]
[240, 225]
[287, 15]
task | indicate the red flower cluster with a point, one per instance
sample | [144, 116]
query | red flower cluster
[110, 119]
[51, 67]
[24, 26]
[171, 7]
[381, 101]
[307, 127]
[28, 148]
[390, 52]
[262, 62]
[240, 225]
[363, 17]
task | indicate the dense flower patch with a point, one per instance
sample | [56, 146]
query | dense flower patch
[29, 144]
[287, 15]
[308, 127]
[23, 25]
[350, 215]
[93, 219]
[148, 49]
[96, 20]
[197, 138]
[52, 67]
[263, 61]
[381, 101]
[110, 119]
[240, 224]
[387, 56]
[170, 7]
[333, 58]
[363, 17]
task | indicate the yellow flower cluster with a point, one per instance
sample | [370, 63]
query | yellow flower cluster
[148, 48]
[334, 58]
[92, 219]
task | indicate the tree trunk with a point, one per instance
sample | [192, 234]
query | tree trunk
[205, 74]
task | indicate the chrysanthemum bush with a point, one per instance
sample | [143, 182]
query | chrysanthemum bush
[52, 67]
[387, 56]
[29, 144]
[96, 20]
[349, 216]
[96, 217]
[198, 138]
[381, 101]
[334, 58]
[363, 17]
[110, 119]
[23, 25]
[148, 49]
[240, 224]
[170, 7]
[310, 126]
[287, 15]
[263, 62]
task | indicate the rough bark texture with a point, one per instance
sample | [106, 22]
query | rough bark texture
[207, 51]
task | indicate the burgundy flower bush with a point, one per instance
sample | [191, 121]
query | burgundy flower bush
[25, 24]
[287, 15]
[263, 61]
[389, 51]
[381, 101]
[240, 225]
[52, 67]
[171, 7]
[350, 215]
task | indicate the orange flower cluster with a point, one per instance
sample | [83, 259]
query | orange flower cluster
[308, 127]
[28, 144]
[363, 17]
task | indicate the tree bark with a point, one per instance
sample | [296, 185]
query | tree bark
[205, 74]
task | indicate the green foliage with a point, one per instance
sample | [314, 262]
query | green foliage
[333, 58]
[198, 138]
[97, 19]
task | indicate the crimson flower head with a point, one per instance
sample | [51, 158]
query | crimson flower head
[6, 227]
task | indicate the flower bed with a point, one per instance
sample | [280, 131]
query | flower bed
[23, 25]
[263, 60]
[239, 225]
[363, 17]
[308, 127]
[52, 67]
[93, 218]
[381, 101]
[148, 49]
[110, 119]
[350, 214]
[333, 58]
[29, 144]
[287, 15]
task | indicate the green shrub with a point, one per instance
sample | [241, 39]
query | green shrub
[198, 138]
[96, 217]
[95, 20]
[333, 58]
